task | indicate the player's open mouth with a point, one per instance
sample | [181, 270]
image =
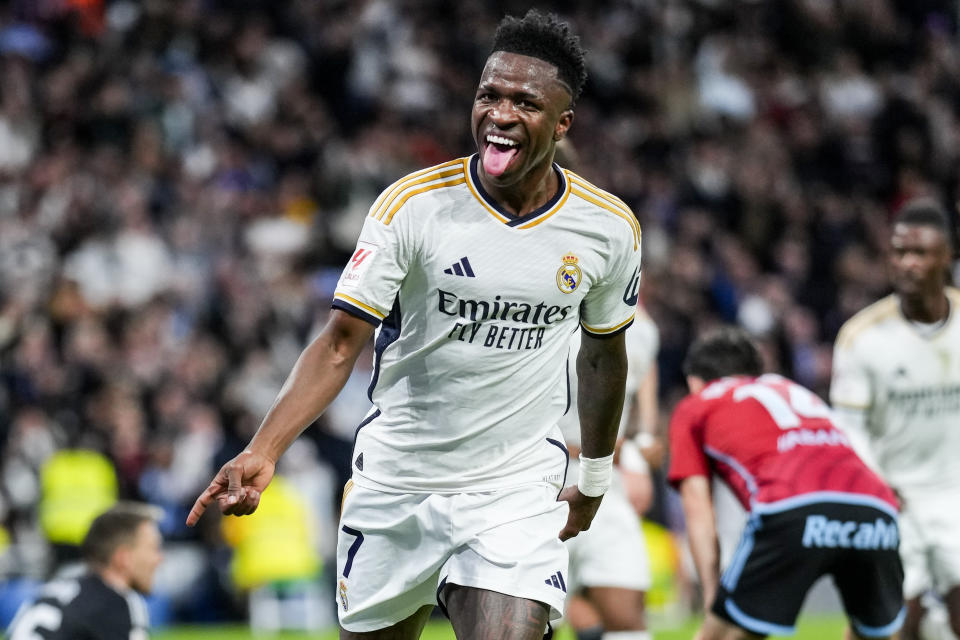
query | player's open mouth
[498, 153]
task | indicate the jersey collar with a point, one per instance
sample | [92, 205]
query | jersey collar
[493, 207]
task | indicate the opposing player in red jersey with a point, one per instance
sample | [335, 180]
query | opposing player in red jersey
[814, 507]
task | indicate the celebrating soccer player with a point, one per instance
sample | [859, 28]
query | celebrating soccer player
[474, 273]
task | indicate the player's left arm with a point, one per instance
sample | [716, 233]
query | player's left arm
[851, 394]
[602, 376]
[702, 533]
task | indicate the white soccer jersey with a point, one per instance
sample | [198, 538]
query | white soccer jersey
[905, 386]
[475, 310]
[642, 341]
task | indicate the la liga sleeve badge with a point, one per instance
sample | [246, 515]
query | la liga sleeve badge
[360, 261]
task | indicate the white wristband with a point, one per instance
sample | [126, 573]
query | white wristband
[596, 474]
[645, 439]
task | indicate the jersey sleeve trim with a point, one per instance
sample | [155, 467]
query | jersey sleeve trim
[356, 308]
[606, 201]
[840, 404]
[676, 479]
[612, 331]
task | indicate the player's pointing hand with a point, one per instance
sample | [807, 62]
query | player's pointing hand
[236, 487]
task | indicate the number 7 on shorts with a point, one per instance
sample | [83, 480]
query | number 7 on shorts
[352, 551]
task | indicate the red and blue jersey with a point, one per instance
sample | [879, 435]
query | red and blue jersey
[771, 440]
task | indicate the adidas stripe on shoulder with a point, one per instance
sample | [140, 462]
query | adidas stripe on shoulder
[448, 174]
[606, 201]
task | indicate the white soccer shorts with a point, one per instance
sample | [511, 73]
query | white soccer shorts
[929, 544]
[612, 552]
[394, 550]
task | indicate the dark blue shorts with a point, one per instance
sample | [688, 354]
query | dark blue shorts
[784, 551]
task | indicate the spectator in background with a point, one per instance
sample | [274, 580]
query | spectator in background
[896, 387]
[122, 551]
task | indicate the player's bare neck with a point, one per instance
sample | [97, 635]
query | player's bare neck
[926, 309]
[527, 195]
[114, 579]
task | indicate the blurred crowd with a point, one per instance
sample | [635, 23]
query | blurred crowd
[181, 181]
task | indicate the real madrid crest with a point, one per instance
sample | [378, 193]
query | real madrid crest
[343, 594]
[569, 274]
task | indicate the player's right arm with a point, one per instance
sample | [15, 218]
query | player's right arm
[690, 474]
[316, 379]
[365, 294]
[702, 533]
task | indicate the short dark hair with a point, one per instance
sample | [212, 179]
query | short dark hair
[925, 212]
[545, 36]
[114, 528]
[726, 351]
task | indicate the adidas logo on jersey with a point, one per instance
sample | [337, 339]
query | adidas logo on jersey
[461, 268]
[556, 580]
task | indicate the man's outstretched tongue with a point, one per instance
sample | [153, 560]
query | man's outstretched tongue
[495, 160]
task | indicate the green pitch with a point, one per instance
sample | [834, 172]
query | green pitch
[810, 628]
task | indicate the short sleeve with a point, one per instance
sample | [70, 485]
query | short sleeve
[687, 457]
[372, 277]
[610, 305]
[851, 386]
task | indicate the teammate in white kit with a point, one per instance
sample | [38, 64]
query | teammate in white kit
[609, 567]
[896, 388]
[475, 273]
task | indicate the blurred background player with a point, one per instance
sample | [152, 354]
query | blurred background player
[457, 469]
[122, 550]
[896, 387]
[815, 508]
[609, 568]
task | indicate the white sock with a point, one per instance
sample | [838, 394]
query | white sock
[627, 635]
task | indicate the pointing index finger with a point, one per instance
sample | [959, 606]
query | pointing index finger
[202, 503]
